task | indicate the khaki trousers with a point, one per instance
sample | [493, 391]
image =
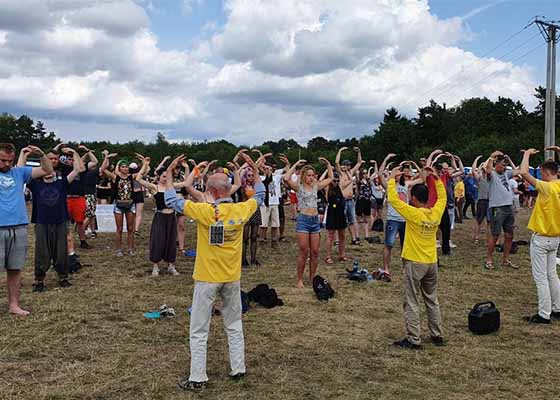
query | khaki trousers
[420, 278]
[205, 294]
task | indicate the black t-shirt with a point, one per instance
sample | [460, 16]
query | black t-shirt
[63, 170]
[49, 201]
[91, 177]
[77, 185]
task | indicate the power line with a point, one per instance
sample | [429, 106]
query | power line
[478, 60]
[451, 88]
[495, 72]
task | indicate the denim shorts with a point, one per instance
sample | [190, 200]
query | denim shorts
[118, 210]
[307, 224]
[350, 211]
[391, 230]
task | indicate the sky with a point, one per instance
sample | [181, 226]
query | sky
[249, 71]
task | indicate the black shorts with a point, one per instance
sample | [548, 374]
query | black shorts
[482, 211]
[376, 204]
[138, 197]
[103, 194]
[363, 208]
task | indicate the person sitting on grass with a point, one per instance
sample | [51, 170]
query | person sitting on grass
[217, 269]
[50, 215]
[419, 256]
[545, 224]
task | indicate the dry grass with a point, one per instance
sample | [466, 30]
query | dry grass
[91, 341]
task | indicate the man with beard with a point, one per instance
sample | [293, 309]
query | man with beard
[13, 217]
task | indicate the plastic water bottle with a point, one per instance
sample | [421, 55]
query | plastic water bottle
[355, 265]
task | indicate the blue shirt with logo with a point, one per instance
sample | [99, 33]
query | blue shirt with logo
[12, 199]
[49, 201]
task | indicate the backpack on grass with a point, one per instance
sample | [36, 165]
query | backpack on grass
[322, 288]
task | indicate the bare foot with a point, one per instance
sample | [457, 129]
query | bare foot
[300, 284]
[20, 312]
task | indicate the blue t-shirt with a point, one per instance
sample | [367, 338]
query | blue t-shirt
[49, 201]
[12, 199]
[470, 187]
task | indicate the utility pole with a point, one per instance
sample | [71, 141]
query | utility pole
[550, 30]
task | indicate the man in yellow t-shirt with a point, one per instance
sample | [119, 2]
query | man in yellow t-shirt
[459, 199]
[217, 269]
[419, 256]
[545, 224]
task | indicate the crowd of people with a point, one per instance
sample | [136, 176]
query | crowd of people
[241, 205]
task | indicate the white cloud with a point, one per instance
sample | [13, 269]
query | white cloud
[295, 38]
[276, 69]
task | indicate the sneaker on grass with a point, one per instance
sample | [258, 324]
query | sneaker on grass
[406, 344]
[64, 283]
[537, 319]
[185, 384]
[39, 287]
[438, 341]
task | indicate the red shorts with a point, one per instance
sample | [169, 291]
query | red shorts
[77, 209]
[293, 198]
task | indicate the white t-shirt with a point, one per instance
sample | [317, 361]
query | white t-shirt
[513, 185]
[275, 187]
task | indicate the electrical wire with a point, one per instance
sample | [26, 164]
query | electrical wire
[478, 60]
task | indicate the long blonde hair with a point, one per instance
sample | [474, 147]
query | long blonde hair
[304, 170]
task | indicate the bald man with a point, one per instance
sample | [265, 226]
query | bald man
[217, 269]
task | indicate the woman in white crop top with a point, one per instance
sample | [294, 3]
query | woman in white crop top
[308, 224]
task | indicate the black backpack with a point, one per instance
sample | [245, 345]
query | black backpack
[377, 225]
[322, 288]
[484, 318]
[265, 296]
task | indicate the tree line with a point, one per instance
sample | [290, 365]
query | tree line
[477, 126]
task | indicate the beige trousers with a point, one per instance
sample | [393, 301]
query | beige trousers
[420, 278]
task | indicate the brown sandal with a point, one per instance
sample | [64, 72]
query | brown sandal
[329, 260]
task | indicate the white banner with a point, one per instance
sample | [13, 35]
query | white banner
[106, 219]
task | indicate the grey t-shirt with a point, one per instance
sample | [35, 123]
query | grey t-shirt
[483, 188]
[500, 193]
[392, 214]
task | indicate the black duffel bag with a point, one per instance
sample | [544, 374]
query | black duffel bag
[484, 318]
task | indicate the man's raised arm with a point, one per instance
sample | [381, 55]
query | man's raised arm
[46, 167]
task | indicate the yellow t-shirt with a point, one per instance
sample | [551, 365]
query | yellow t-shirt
[421, 225]
[459, 190]
[545, 219]
[222, 263]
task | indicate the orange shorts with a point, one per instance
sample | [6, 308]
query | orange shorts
[76, 209]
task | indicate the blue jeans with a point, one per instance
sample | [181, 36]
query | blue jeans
[307, 224]
[391, 230]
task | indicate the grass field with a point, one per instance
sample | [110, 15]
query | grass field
[92, 342]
